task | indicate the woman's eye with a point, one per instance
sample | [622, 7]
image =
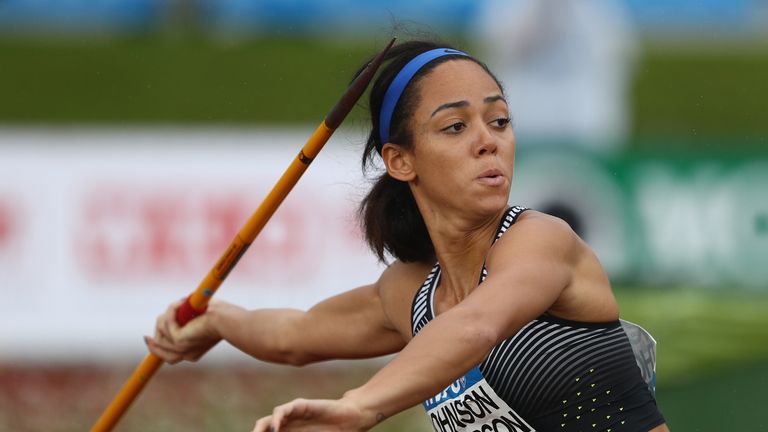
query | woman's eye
[502, 122]
[455, 127]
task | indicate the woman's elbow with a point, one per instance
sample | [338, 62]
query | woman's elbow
[292, 351]
[285, 353]
[288, 345]
[299, 359]
[479, 335]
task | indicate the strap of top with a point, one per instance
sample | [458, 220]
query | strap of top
[421, 309]
[507, 221]
[509, 218]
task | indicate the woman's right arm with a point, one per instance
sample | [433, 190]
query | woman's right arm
[350, 325]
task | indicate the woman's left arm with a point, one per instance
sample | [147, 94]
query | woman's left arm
[528, 269]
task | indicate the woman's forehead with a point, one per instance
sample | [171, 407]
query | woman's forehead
[456, 80]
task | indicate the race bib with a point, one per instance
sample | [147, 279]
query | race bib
[471, 405]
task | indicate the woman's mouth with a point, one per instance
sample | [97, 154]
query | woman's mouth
[491, 177]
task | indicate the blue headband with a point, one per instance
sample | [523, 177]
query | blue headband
[401, 81]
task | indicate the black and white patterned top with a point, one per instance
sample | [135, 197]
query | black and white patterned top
[558, 375]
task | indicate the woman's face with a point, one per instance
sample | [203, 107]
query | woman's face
[464, 148]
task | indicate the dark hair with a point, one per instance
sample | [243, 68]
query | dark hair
[388, 214]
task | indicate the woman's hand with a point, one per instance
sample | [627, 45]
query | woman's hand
[304, 415]
[174, 344]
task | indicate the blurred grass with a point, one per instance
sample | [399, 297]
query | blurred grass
[712, 353]
[173, 80]
[702, 90]
[728, 400]
[699, 331]
[712, 375]
[689, 92]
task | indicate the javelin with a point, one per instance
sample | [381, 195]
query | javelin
[197, 302]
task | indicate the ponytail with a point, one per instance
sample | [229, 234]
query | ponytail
[393, 224]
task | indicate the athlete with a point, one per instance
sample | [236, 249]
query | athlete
[503, 319]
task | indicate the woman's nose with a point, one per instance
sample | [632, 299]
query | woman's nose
[486, 142]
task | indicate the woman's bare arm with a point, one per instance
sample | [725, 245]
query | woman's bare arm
[353, 324]
[349, 325]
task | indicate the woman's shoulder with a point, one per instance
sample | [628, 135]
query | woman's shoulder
[536, 223]
[531, 216]
[404, 276]
[396, 288]
[542, 244]
[535, 233]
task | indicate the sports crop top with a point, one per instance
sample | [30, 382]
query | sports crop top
[552, 375]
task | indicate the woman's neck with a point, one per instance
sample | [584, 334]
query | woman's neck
[461, 245]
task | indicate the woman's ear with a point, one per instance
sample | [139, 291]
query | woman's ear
[398, 162]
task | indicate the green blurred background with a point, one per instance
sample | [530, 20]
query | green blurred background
[697, 91]
[702, 89]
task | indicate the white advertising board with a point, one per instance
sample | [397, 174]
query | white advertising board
[101, 229]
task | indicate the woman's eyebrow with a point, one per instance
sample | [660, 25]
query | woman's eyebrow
[459, 104]
[491, 99]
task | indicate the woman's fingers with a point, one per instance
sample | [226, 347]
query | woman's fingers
[167, 345]
[165, 353]
[280, 415]
[171, 353]
[166, 328]
[302, 415]
[162, 323]
[263, 425]
[167, 321]
[160, 330]
[173, 343]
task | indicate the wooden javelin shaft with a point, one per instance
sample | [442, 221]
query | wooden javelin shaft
[197, 302]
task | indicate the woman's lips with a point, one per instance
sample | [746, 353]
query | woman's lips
[492, 177]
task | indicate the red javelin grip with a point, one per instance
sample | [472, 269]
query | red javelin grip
[186, 313]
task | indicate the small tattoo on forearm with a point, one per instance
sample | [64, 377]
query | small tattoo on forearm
[380, 417]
